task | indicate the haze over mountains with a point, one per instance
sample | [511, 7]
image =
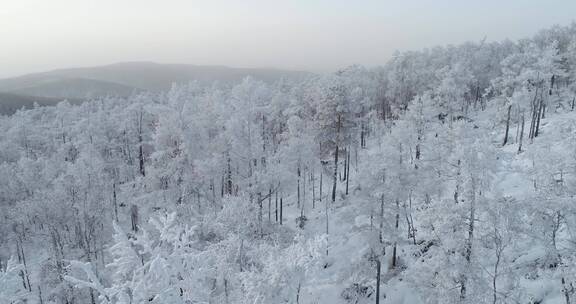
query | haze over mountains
[120, 79]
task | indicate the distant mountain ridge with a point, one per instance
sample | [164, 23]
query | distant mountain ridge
[120, 79]
[134, 76]
[74, 88]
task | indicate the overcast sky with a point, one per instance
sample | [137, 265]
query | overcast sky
[316, 35]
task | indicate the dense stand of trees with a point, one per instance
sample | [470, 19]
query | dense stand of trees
[243, 194]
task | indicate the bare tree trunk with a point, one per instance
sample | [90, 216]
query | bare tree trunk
[335, 180]
[298, 188]
[378, 272]
[298, 293]
[40, 299]
[498, 248]
[313, 189]
[531, 130]
[347, 170]
[521, 135]
[270, 205]
[517, 125]
[394, 249]
[321, 169]
[384, 108]
[304, 189]
[222, 186]
[22, 259]
[140, 148]
[241, 256]
[507, 126]
[345, 176]
[362, 134]
[134, 217]
[226, 289]
[539, 116]
[115, 201]
[229, 176]
[260, 215]
[381, 228]
[534, 110]
[410, 220]
[281, 209]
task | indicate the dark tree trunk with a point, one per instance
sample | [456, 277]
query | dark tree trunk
[457, 191]
[394, 255]
[345, 173]
[115, 202]
[298, 294]
[304, 189]
[381, 228]
[40, 299]
[321, 169]
[140, 148]
[418, 151]
[521, 135]
[335, 179]
[347, 170]
[298, 188]
[281, 207]
[276, 209]
[362, 135]
[313, 179]
[222, 186]
[410, 221]
[517, 126]
[533, 119]
[507, 126]
[477, 96]
[22, 259]
[538, 117]
[260, 215]
[134, 217]
[270, 205]
[378, 272]
[229, 181]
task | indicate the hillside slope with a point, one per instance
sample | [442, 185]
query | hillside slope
[10, 103]
[446, 176]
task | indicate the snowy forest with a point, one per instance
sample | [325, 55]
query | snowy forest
[447, 175]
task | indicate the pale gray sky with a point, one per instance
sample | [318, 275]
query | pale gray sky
[37, 35]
